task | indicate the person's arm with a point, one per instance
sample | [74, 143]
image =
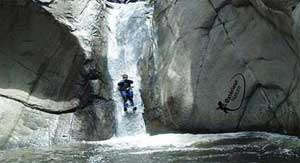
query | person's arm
[130, 82]
[119, 84]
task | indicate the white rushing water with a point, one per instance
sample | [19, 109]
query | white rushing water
[129, 30]
[130, 35]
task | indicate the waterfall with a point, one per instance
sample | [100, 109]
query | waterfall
[129, 34]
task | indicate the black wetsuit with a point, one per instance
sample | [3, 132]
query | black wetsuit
[124, 84]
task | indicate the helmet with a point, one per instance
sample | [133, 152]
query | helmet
[125, 76]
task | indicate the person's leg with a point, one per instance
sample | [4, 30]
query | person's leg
[124, 96]
[130, 96]
[131, 99]
[131, 102]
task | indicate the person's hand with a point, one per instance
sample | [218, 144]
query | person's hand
[130, 87]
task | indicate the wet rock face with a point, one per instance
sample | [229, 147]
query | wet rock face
[48, 82]
[239, 57]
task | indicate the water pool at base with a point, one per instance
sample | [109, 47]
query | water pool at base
[174, 148]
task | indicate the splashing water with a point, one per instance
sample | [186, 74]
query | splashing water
[130, 31]
[175, 148]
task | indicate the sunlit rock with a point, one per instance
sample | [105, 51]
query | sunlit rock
[202, 45]
[47, 49]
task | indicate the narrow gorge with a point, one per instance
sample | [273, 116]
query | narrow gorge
[214, 80]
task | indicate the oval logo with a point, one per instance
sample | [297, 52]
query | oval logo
[235, 94]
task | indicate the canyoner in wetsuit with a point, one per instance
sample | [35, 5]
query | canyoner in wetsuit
[125, 89]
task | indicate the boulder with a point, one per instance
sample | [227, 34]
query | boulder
[47, 50]
[224, 66]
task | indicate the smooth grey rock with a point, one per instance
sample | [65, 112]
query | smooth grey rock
[45, 47]
[296, 25]
[202, 45]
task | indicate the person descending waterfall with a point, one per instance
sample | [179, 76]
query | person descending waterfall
[125, 89]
